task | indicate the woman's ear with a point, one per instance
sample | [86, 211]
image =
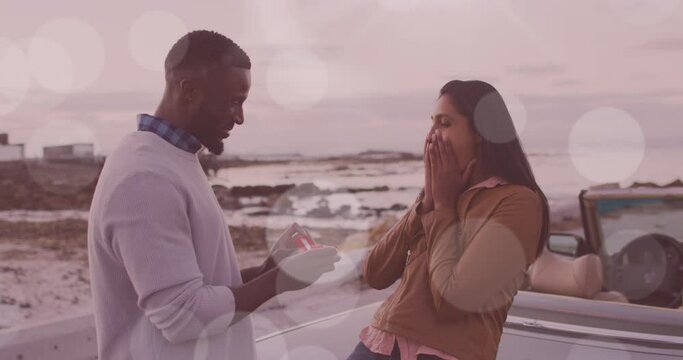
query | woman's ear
[480, 150]
[477, 139]
[478, 143]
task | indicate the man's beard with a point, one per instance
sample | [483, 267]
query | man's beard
[206, 134]
[215, 147]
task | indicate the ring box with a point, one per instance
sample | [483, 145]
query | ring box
[299, 239]
[304, 241]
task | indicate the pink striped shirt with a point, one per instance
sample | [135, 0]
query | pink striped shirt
[382, 342]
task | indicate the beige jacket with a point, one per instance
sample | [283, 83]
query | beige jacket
[459, 268]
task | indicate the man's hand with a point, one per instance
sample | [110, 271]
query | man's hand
[291, 273]
[303, 269]
[447, 178]
[281, 252]
[275, 258]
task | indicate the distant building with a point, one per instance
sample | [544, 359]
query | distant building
[10, 152]
[69, 152]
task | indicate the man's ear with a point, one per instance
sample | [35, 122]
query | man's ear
[189, 91]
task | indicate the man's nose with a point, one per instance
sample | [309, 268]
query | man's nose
[238, 116]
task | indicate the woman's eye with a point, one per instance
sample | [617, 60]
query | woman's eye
[441, 121]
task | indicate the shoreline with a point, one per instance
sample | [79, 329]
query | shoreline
[46, 276]
[344, 203]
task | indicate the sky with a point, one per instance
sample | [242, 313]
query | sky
[332, 77]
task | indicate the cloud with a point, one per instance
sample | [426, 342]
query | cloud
[350, 109]
[567, 82]
[537, 70]
[663, 44]
[348, 124]
[551, 117]
[109, 101]
[606, 99]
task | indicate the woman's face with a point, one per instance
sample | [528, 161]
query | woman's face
[456, 128]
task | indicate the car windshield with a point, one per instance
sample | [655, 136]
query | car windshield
[622, 220]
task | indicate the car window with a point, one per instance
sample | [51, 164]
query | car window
[622, 220]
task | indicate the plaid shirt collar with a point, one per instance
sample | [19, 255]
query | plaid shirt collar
[177, 137]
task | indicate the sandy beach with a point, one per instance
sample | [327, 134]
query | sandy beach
[40, 280]
[46, 278]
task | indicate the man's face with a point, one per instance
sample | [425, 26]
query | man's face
[219, 106]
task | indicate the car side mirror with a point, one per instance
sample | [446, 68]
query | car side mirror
[565, 244]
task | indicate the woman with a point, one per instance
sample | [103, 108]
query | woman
[463, 248]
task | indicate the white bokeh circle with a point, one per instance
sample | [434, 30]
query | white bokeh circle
[137, 336]
[490, 108]
[297, 205]
[645, 12]
[334, 292]
[276, 345]
[345, 269]
[214, 340]
[617, 241]
[507, 262]
[606, 145]
[51, 64]
[152, 35]
[8, 339]
[67, 55]
[297, 79]
[516, 107]
[58, 132]
[590, 348]
[310, 24]
[20, 294]
[61, 177]
[309, 352]
[15, 76]
[399, 5]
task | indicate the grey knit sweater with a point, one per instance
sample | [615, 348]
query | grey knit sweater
[161, 259]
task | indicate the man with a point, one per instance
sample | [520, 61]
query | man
[165, 280]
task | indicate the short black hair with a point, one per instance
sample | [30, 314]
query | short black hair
[204, 47]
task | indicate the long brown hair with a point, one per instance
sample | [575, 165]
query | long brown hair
[500, 148]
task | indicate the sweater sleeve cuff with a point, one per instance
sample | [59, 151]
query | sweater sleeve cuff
[209, 312]
[414, 225]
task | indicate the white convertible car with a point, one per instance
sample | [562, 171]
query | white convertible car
[610, 289]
